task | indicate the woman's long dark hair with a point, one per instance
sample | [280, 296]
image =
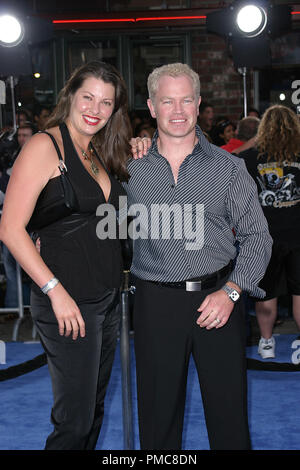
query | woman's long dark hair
[112, 141]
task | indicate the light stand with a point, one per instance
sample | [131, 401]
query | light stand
[11, 83]
[243, 72]
[250, 40]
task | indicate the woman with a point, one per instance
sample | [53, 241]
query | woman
[222, 133]
[145, 131]
[275, 166]
[76, 314]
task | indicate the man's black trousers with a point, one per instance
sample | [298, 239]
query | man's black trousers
[166, 334]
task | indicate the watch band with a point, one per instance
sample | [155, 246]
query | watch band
[52, 283]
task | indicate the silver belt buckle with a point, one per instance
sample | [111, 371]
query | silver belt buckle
[192, 286]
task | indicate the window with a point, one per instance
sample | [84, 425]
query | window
[90, 6]
[139, 5]
[276, 82]
[81, 52]
[43, 74]
[148, 54]
[31, 90]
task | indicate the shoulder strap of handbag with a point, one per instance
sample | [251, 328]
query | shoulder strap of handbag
[62, 166]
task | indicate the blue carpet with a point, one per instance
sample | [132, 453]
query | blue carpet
[273, 397]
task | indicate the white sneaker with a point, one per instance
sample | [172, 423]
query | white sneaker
[266, 348]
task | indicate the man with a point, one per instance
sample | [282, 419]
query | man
[41, 116]
[206, 117]
[245, 131]
[24, 133]
[252, 112]
[186, 288]
[22, 117]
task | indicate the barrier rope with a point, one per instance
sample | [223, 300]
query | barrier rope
[23, 368]
[41, 360]
[254, 364]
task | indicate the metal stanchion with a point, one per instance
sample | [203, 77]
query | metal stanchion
[20, 303]
[125, 364]
[2, 352]
[20, 308]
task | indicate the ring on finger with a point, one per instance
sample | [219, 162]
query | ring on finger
[217, 320]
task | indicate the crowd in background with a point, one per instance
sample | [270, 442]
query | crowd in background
[237, 138]
[219, 130]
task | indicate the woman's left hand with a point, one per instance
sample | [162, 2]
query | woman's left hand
[140, 146]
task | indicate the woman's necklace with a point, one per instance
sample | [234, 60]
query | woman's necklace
[89, 158]
[94, 168]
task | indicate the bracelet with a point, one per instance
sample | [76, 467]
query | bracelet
[52, 283]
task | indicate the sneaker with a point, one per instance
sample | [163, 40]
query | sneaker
[266, 348]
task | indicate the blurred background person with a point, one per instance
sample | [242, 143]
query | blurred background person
[144, 130]
[206, 117]
[24, 132]
[246, 130]
[252, 112]
[222, 132]
[274, 164]
[23, 116]
[41, 115]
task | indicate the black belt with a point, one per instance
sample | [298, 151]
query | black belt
[197, 284]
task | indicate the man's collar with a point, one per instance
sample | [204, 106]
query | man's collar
[203, 142]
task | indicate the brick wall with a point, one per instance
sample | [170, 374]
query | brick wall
[221, 83]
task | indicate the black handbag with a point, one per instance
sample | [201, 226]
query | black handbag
[57, 199]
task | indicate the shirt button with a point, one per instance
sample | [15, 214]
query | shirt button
[172, 185]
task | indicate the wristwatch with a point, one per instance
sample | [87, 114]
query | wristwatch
[232, 293]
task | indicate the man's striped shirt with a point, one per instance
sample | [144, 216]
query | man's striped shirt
[190, 229]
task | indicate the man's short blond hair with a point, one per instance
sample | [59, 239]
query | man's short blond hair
[172, 70]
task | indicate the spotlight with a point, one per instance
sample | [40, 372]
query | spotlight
[282, 96]
[11, 31]
[37, 75]
[16, 37]
[251, 20]
[17, 34]
[248, 27]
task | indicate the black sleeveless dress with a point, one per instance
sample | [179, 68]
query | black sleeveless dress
[85, 265]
